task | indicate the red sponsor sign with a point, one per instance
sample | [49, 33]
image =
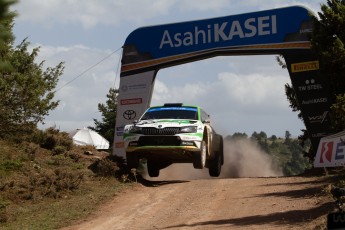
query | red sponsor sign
[131, 101]
[331, 151]
[326, 152]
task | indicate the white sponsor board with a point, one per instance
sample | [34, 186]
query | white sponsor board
[331, 151]
[133, 100]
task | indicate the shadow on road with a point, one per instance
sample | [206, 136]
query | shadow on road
[295, 194]
[293, 218]
[148, 183]
[319, 181]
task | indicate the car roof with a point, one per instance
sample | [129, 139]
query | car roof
[175, 105]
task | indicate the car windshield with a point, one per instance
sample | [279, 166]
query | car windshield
[190, 113]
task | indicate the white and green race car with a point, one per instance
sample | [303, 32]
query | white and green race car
[174, 133]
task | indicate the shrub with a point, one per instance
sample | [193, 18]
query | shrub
[37, 184]
[51, 138]
[11, 165]
[57, 160]
[66, 180]
[58, 150]
[104, 168]
[3, 214]
[31, 149]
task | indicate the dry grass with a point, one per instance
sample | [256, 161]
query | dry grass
[40, 189]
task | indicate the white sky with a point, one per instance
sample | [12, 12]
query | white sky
[241, 93]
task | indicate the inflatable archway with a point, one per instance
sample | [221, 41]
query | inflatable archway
[282, 31]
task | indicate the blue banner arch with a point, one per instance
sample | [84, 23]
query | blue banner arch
[283, 31]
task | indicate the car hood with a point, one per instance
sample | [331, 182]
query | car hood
[166, 123]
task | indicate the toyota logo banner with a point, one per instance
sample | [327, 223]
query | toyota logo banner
[331, 151]
[129, 114]
[133, 100]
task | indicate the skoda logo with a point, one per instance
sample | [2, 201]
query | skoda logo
[129, 114]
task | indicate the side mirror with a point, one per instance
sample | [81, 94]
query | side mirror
[207, 121]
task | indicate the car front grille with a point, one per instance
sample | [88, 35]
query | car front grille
[159, 141]
[164, 131]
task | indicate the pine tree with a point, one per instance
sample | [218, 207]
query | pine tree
[106, 126]
[26, 89]
[6, 35]
[328, 43]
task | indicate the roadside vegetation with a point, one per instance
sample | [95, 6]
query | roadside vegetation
[47, 179]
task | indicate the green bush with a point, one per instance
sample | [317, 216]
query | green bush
[58, 150]
[58, 160]
[51, 138]
[11, 165]
[31, 149]
[3, 214]
[66, 180]
[104, 168]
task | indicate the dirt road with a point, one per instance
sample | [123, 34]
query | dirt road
[241, 203]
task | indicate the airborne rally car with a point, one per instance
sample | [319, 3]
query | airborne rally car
[174, 133]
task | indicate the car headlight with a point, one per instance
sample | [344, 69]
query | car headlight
[135, 129]
[188, 129]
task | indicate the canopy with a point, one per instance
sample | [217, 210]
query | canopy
[89, 137]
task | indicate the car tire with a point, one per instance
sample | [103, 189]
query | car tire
[215, 165]
[199, 158]
[152, 169]
[132, 160]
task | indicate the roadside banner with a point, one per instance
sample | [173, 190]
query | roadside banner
[135, 96]
[312, 94]
[331, 151]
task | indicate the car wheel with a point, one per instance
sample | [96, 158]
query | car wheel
[199, 158]
[215, 165]
[152, 169]
[132, 160]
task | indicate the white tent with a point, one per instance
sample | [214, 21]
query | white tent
[89, 137]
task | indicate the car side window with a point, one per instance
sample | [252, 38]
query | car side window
[204, 116]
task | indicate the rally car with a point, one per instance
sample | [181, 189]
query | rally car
[174, 133]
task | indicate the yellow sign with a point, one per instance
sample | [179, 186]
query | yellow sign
[304, 66]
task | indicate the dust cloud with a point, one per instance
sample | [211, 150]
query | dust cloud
[242, 158]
